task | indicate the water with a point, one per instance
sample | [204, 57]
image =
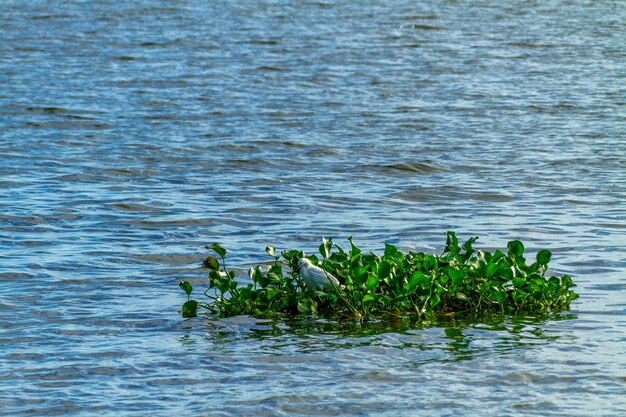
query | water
[134, 133]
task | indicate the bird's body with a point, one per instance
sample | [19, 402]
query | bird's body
[315, 276]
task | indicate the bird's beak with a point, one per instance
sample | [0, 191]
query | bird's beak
[299, 265]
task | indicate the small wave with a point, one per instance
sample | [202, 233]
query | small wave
[530, 45]
[170, 223]
[270, 69]
[134, 207]
[46, 110]
[424, 27]
[53, 16]
[262, 42]
[415, 167]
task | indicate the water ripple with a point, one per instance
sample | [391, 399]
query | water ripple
[133, 134]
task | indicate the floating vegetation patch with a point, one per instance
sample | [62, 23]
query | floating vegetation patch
[351, 283]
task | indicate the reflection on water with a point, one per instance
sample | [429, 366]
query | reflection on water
[344, 366]
[134, 133]
[461, 339]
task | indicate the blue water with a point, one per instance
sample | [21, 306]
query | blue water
[134, 133]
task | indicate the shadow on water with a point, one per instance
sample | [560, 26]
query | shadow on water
[459, 339]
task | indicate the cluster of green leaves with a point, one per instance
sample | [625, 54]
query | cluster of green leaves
[460, 280]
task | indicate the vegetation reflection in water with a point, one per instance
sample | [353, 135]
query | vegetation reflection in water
[460, 281]
[448, 338]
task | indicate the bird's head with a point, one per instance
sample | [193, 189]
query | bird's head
[303, 261]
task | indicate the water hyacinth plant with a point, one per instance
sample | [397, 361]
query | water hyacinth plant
[462, 280]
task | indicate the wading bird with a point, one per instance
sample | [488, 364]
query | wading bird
[315, 276]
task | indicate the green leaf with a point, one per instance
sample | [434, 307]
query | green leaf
[567, 282]
[325, 247]
[460, 296]
[257, 275]
[424, 280]
[491, 269]
[456, 275]
[468, 244]
[519, 296]
[497, 255]
[214, 277]
[360, 275]
[271, 293]
[223, 284]
[452, 243]
[434, 301]
[338, 257]
[372, 282]
[367, 301]
[217, 248]
[518, 282]
[275, 272]
[390, 251]
[289, 255]
[497, 295]
[416, 278]
[190, 309]
[430, 262]
[245, 293]
[354, 251]
[211, 263]
[384, 270]
[307, 306]
[543, 257]
[186, 286]
[508, 273]
[271, 250]
[516, 248]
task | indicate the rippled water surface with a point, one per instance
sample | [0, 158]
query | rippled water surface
[133, 133]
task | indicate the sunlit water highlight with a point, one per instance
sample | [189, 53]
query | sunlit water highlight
[134, 133]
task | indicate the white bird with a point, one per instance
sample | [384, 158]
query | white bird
[315, 276]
